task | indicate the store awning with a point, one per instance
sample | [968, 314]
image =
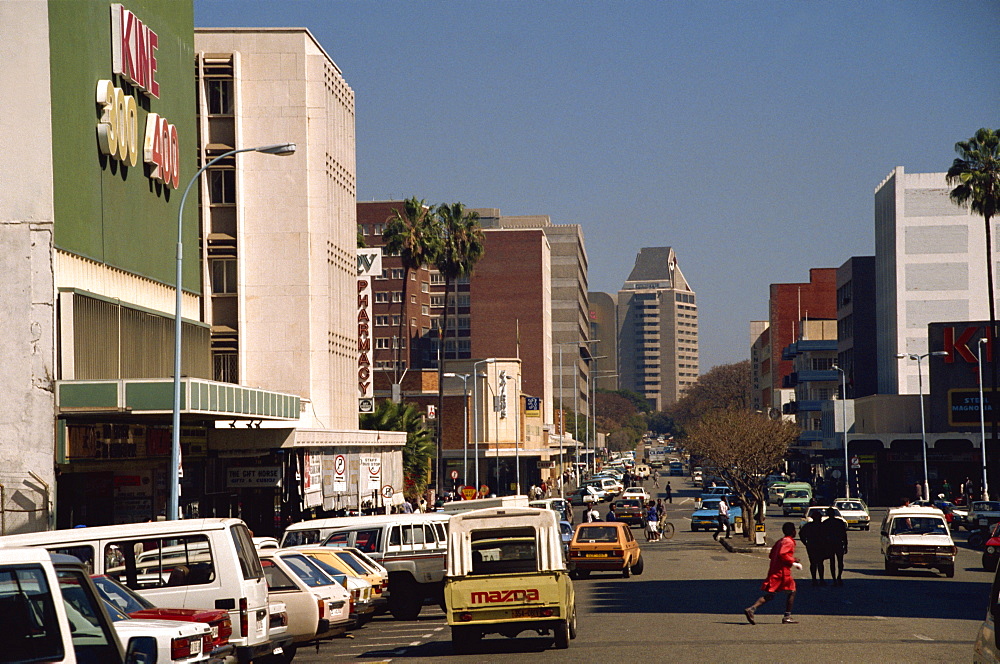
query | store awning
[151, 397]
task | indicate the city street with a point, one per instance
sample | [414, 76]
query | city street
[688, 606]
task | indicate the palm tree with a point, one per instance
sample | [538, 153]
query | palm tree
[975, 174]
[419, 448]
[460, 249]
[413, 235]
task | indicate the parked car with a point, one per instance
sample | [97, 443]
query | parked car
[775, 492]
[603, 546]
[796, 499]
[982, 514]
[135, 605]
[854, 511]
[586, 495]
[607, 487]
[917, 537]
[176, 642]
[636, 492]
[991, 550]
[345, 562]
[562, 507]
[815, 513]
[987, 644]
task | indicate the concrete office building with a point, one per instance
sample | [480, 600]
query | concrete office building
[280, 255]
[570, 311]
[604, 329]
[930, 258]
[657, 329]
[856, 338]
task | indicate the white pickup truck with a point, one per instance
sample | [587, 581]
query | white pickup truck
[52, 613]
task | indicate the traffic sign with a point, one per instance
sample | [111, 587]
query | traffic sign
[454, 474]
[468, 492]
[387, 491]
[484, 490]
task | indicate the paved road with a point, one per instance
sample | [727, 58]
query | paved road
[688, 604]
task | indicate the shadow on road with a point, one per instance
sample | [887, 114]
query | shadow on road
[494, 645]
[915, 594]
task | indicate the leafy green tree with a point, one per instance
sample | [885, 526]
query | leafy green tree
[412, 234]
[975, 175]
[361, 238]
[419, 448]
[461, 246]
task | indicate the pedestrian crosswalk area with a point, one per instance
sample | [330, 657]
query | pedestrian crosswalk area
[386, 638]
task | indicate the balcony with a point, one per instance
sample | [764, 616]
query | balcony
[803, 406]
[820, 376]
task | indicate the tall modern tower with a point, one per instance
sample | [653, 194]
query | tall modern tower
[657, 329]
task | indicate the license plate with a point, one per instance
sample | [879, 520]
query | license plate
[215, 632]
[195, 647]
[595, 555]
[262, 627]
[852, 521]
[525, 613]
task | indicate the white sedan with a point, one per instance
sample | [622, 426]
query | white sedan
[176, 642]
[636, 492]
[854, 512]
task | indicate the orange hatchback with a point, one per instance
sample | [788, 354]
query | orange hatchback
[604, 546]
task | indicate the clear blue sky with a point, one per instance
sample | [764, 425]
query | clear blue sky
[749, 136]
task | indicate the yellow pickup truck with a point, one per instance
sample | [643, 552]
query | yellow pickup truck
[505, 575]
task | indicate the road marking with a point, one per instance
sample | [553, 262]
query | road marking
[415, 643]
[438, 629]
[923, 638]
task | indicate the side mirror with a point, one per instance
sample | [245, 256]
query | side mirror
[141, 650]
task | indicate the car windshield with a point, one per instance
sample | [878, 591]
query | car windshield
[124, 598]
[710, 504]
[849, 506]
[918, 525]
[796, 493]
[986, 506]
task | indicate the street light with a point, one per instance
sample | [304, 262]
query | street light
[923, 427]
[982, 414]
[465, 422]
[843, 410]
[173, 498]
[475, 409]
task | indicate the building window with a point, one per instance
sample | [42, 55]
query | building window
[378, 229]
[822, 363]
[226, 367]
[222, 186]
[437, 278]
[220, 96]
[413, 276]
[383, 276]
[381, 321]
[464, 345]
[395, 321]
[425, 287]
[437, 300]
[381, 297]
[424, 310]
[413, 299]
[223, 276]
[397, 273]
[397, 296]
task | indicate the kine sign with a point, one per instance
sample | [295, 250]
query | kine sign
[133, 57]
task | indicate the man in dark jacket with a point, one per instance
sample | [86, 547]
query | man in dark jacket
[812, 536]
[834, 530]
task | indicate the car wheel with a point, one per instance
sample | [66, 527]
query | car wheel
[891, 568]
[977, 538]
[694, 528]
[638, 567]
[572, 625]
[561, 632]
[406, 601]
[949, 572]
[626, 572]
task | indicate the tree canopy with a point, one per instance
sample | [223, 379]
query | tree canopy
[419, 448]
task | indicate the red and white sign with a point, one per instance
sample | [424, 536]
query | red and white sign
[454, 474]
[371, 473]
[133, 50]
[469, 492]
[339, 473]
[369, 265]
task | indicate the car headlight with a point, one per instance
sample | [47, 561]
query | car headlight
[991, 550]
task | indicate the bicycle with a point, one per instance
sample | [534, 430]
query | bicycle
[666, 529]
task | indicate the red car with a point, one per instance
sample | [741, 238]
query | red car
[137, 606]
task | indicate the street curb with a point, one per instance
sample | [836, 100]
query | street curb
[735, 548]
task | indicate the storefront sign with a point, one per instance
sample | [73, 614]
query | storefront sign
[532, 406]
[963, 406]
[369, 265]
[133, 50]
[255, 477]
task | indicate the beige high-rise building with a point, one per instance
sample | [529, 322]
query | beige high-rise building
[657, 329]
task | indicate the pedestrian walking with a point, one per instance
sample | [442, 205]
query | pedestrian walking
[779, 576]
[946, 489]
[834, 531]
[652, 523]
[591, 515]
[611, 513]
[811, 535]
[723, 519]
[670, 494]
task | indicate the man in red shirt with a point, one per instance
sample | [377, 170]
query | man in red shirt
[779, 575]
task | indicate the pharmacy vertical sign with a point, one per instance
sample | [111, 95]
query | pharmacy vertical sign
[369, 265]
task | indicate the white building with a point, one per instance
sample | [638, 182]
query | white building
[930, 266]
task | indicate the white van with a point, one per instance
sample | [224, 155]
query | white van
[411, 547]
[195, 564]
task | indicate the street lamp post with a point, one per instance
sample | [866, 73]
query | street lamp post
[843, 411]
[173, 497]
[923, 425]
[982, 415]
[465, 422]
[475, 409]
